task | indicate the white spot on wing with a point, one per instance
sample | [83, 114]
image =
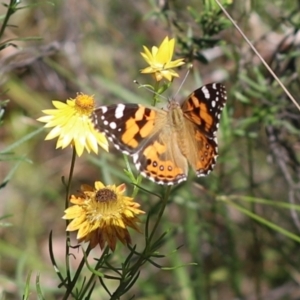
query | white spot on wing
[104, 109]
[138, 165]
[113, 125]
[135, 158]
[205, 92]
[119, 111]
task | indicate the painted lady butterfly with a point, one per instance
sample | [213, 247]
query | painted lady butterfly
[163, 142]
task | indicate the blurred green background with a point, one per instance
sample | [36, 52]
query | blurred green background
[244, 248]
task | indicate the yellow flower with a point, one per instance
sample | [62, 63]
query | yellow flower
[160, 60]
[72, 125]
[102, 214]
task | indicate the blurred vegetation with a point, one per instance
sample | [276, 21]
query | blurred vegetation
[240, 224]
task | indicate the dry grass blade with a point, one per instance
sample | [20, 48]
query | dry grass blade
[258, 55]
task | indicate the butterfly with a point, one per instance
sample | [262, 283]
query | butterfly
[163, 142]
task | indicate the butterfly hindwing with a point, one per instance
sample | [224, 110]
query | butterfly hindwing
[207, 154]
[161, 160]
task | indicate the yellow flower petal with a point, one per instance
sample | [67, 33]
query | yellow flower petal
[99, 185]
[72, 125]
[102, 214]
[72, 212]
[160, 60]
[76, 223]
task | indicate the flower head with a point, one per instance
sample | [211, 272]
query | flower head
[160, 60]
[102, 214]
[72, 125]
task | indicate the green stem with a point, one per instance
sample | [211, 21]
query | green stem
[258, 267]
[68, 186]
[10, 11]
[132, 272]
[92, 278]
[72, 283]
[162, 209]
[155, 95]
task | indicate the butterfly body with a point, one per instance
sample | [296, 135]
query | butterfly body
[164, 142]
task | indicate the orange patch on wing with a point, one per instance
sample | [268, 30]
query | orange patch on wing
[133, 143]
[131, 130]
[206, 116]
[206, 154]
[140, 113]
[147, 129]
[195, 101]
[149, 126]
[163, 170]
[155, 148]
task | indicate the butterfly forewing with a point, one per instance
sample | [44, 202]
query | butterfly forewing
[126, 125]
[204, 106]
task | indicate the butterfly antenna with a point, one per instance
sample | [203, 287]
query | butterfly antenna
[149, 89]
[183, 81]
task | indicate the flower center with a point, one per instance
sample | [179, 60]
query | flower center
[105, 195]
[85, 103]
